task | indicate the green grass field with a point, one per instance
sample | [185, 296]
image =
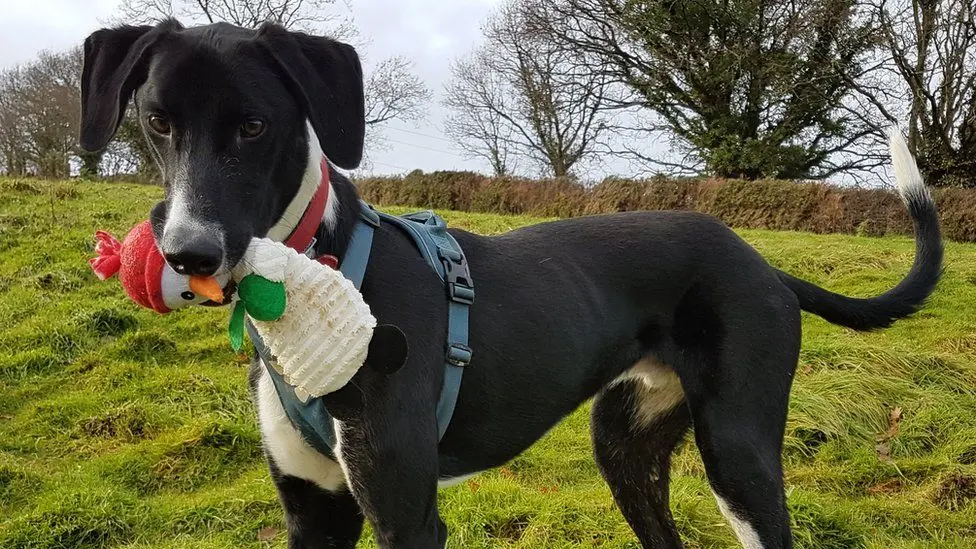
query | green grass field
[123, 428]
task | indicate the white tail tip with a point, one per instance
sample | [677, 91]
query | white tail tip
[907, 177]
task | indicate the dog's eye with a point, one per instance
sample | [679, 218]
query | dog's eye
[252, 128]
[159, 124]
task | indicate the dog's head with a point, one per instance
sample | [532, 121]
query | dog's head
[236, 119]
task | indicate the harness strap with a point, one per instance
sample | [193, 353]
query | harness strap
[444, 255]
[356, 258]
[311, 419]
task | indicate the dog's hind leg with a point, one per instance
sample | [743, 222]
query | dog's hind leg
[636, 423]
[736, 372]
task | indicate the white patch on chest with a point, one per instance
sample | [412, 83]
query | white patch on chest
[292, 455]
[295, 457]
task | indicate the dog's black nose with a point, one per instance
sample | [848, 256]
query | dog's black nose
[192, 253]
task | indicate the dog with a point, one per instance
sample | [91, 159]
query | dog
[667, 320]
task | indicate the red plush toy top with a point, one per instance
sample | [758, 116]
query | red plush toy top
[145, 275]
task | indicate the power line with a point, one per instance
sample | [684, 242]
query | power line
[394, 166]
[424, 147]
[421, 134]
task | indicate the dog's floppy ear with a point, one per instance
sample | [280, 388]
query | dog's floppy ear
[328, 79]
[115, 64]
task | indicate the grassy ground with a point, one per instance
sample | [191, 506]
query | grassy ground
[122, 428]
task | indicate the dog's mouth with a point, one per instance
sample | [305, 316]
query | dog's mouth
[229, 291]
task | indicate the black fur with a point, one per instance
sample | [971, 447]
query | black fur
[207, 81]
[604, 305]
[388, 349]
[899, 302]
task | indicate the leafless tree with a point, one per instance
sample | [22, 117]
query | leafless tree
[478, 103]
[307, 15]
[39, 112]
[393, 91]
[929, 78]
[518, 95]
[13, 139]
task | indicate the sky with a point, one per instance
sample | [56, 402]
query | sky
[429, 32]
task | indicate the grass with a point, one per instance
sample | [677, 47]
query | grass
[122, 428]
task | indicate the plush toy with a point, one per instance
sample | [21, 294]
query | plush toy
[310, 316]
[145, 275]
[307, 313]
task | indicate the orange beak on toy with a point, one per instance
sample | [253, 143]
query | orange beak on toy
[208, 287]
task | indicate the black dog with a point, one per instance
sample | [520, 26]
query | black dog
[669, 319]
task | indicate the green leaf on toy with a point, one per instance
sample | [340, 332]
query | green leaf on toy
[264, 299]
[236, 327]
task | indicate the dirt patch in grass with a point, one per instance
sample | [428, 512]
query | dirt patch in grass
[887, 487]
[508, 528]
[955, 492]
[127, 422]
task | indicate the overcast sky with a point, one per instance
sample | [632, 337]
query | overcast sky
[429, 32]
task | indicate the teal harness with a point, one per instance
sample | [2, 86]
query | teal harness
[429, 234]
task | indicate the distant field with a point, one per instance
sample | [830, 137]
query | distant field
[123, 428]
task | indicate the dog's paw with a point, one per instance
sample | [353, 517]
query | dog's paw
[387, 350]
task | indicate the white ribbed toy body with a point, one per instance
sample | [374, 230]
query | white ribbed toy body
[322, 339]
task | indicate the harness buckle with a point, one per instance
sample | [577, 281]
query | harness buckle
[457, 277]
[310, 249]
[458, 354]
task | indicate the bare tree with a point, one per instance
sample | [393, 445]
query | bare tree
[39, 111]
[393, 91]
[307, 15]
[478, 104]
[516, 94]
[930, 50]
[13, 139]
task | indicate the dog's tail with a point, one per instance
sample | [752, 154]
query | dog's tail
[909, 295]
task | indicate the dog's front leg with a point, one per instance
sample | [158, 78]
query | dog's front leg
[317, 518]
[391, 467]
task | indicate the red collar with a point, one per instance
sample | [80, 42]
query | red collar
[301, 238]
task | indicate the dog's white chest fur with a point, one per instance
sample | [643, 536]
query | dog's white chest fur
[292, 455]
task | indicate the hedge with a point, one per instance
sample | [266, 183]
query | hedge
[773, 204]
